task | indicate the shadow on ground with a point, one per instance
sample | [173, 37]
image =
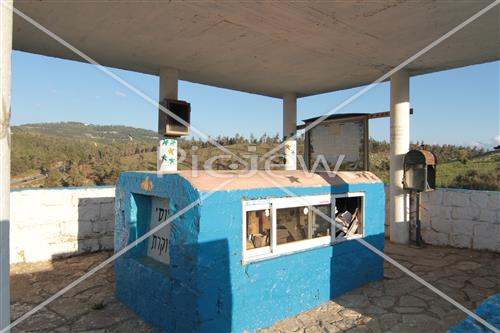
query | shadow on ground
[91, 306]
[396, 304]
[401, 304]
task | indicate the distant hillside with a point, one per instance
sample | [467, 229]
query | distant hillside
[479, 173]
[75, 154]
[97, 133]
[458, 166]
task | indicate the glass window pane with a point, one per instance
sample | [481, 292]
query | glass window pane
[292, 224]
[348, 217]
[258, 228]
[321, 221]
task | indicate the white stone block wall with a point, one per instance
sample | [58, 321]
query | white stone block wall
[459, 218]
[52, 223]
[59, 222]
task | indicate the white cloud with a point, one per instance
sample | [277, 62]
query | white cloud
[120, 93]
[494, 141]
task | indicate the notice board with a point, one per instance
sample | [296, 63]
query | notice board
[336, 138]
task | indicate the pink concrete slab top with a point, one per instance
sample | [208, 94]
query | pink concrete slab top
[237, 180]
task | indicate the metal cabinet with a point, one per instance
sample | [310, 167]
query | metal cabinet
[419, 171]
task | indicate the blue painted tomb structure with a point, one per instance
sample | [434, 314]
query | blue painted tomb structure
[242, 251]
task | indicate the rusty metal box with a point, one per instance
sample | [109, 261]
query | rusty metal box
[419, 171]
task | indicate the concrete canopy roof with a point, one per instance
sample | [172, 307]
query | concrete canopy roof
[267, 48]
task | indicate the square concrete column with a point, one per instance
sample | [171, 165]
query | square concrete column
[5, 75]
[400, 144]
[289, 130]
[167, 147]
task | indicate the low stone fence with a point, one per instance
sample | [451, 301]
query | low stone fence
[459, 218]
[51, 223]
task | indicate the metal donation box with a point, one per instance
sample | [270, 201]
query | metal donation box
[238, 256]
[419, 171]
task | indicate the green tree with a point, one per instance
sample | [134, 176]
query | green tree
[55, 179]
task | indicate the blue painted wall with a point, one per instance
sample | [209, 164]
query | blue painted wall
[206, 288]
[489, 310]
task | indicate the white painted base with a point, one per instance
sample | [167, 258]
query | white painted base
[290, 155]
[167, 155]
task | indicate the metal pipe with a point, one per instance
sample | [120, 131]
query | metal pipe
[418, 234]
[5, 88]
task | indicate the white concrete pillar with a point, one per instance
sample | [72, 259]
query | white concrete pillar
[400, 144]
[167, 147]
[289, 130]
[169, 83]
[5, 86]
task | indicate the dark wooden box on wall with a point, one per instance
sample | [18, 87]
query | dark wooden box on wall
[177, 123]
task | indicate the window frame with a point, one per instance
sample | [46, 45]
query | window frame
[275, 250]
[350, 195]
[293, 202]
[252, 206]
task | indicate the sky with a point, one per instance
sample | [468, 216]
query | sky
[458, 106]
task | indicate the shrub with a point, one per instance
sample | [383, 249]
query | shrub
[474, 180]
